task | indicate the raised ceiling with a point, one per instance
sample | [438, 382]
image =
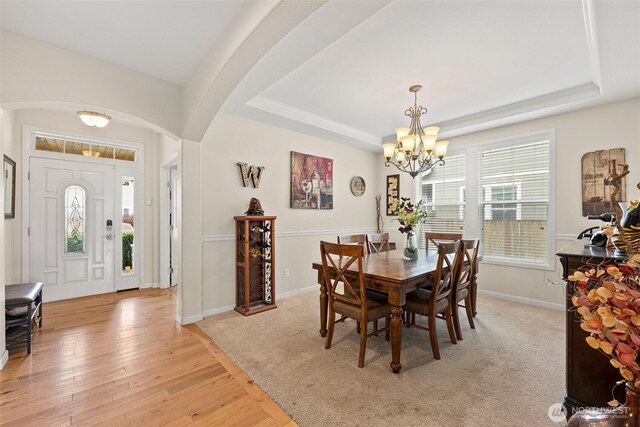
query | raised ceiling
[343, 72]
[165, 39]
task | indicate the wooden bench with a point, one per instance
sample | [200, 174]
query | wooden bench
[22, 303]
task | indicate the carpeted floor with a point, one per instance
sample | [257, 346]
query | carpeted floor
[506, 372]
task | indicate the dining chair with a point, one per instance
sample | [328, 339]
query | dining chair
[438, 237]
[437, 302]
[348, 295]
[465, 282]
[377, 243]
[350, 239]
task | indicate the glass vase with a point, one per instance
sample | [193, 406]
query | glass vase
[410, 246]
[623, 416]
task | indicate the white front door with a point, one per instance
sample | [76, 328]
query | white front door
[72, 225]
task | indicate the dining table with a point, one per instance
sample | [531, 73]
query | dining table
[390, 273]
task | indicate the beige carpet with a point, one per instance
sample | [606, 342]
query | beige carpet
[506, 372]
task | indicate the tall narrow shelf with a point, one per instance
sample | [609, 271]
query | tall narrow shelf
[255, 264]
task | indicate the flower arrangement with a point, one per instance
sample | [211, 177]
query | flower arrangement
[410, 215]
[608, 301]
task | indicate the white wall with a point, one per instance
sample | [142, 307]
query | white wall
[231, 139]
[4, 355]
[609, 126]
[36, 74]
[67, 122]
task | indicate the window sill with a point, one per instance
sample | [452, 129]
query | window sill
[518, 264]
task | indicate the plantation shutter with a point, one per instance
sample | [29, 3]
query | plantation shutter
[443, 190]
[514, 202]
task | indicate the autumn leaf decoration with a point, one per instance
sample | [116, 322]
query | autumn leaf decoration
[608, 301]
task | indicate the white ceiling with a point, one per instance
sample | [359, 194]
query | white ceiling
[344, 72]
[165, 39]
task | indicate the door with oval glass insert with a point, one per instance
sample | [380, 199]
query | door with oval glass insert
[71, 243]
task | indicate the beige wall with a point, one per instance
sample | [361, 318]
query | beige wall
[4, 132]
[67, 122]
[231, 139]
[71, 80]
[609, 126]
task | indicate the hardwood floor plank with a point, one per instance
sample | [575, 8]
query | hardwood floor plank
[121, 359]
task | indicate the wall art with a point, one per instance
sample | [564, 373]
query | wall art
[597, 166]
[393, 194]
[311, 182]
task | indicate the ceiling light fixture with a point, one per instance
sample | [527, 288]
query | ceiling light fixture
[90, 153]
[93, 119]
[417, 148]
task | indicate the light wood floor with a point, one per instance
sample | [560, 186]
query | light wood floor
[121, 359]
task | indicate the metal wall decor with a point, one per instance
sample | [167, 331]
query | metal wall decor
[357, 186]
[255, 172]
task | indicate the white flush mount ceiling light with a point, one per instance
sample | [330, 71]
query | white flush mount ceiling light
[417, 150]
[93, 119]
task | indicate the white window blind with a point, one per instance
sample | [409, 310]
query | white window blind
[514, 202]
[443, 190]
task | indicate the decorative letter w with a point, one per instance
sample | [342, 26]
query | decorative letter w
[254, 171]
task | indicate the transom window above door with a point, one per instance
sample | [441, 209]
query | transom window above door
[84, 148]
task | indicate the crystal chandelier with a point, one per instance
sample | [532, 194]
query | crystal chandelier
[417, 148]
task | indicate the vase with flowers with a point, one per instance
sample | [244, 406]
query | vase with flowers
[409, 216]
[607, 298]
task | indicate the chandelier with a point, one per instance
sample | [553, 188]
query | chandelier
[417, 149]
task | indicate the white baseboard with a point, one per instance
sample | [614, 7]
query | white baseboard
[4, 359]
[295, 292]
[218, 310]
[188, 319]
[150, 285]
[523, 300]
[284, 295]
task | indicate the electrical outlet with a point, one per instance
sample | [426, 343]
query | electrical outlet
[286, 272]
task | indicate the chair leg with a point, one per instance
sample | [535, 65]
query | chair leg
[375, 327]
[433, 336]
[386, 328]
[363, 345]
[450, 326]
[358, 327]
[456, 320]
[332, 324]
[469, 308]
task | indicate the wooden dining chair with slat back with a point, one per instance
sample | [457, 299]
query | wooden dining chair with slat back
[377, 243]
[354, 239]
[437, 302]
[465, 282]
[347, 293]
[434, 238]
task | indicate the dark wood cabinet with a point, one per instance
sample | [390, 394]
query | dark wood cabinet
[590, 376]
[255, 264]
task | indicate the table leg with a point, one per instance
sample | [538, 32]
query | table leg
[323, 304]
[473, 290]
[396, 338]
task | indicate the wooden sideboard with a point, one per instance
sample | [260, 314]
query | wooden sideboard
[590, 376]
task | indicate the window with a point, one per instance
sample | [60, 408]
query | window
[74, 220]
[500, 192]
[83, 148]
[443, 190]
[128, 198]
[514, 201]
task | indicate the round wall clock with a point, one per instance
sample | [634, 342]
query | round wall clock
[357, 186]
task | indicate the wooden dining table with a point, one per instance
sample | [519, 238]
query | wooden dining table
[390, 273]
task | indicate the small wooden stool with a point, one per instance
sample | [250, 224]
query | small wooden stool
[22, 303]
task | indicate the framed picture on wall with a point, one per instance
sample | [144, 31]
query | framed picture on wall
[393, 194]
[9, 188]
[596, 191]
[311, 182]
